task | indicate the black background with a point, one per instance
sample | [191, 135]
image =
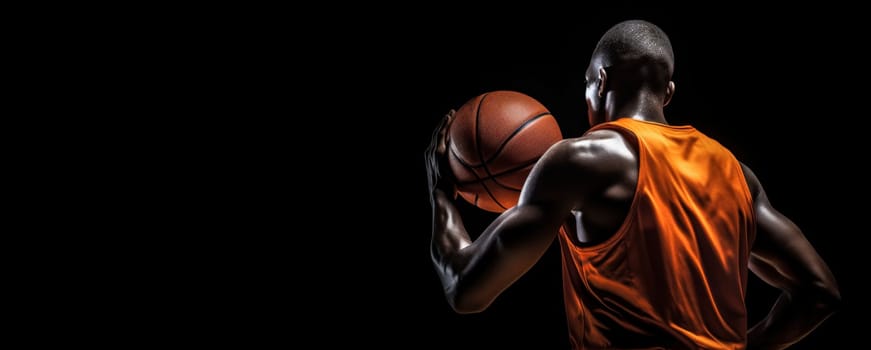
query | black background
[782, 89]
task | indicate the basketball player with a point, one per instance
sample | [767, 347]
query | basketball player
[664, 224]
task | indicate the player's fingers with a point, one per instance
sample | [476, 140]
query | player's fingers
[449, 117]
[451, 113]
[442, 132]
[436, 145]
[436, 134]
[435, 152]
[443, 127]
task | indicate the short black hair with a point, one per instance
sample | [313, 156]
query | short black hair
[640, 45]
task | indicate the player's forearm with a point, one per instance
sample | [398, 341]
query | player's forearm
[792, 317]
[449, 234]
[449, 237]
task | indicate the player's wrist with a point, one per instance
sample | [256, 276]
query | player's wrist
[445, 193]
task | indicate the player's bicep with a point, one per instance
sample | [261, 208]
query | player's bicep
[546, 199]
[517, 239]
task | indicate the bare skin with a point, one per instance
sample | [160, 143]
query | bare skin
[597, 174]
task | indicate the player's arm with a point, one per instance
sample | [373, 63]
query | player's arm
[473, 274]
[782, 257]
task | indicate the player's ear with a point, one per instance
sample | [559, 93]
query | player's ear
[669, 92]
[603, 79]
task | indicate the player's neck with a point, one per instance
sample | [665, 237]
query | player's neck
[644, 106]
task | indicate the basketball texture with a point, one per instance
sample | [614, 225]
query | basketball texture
[493, 143]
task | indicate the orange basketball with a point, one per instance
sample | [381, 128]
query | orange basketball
[493, 143]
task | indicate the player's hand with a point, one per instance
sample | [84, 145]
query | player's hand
[438, 170]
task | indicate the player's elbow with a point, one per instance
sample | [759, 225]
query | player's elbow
[462, 306]
[464, 303]
[825, 296]
[830, 298]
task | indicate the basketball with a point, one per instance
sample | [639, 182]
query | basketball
[493, 143]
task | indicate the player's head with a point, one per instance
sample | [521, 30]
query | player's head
[632, 57]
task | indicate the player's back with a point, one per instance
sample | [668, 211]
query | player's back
[674, 273]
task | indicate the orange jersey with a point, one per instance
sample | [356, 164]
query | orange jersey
[674, 275]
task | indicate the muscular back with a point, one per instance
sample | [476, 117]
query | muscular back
[671, 226]
[613, 156]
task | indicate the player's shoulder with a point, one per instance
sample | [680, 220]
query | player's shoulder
[753, 183]
[596, 146]
[600, 151]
